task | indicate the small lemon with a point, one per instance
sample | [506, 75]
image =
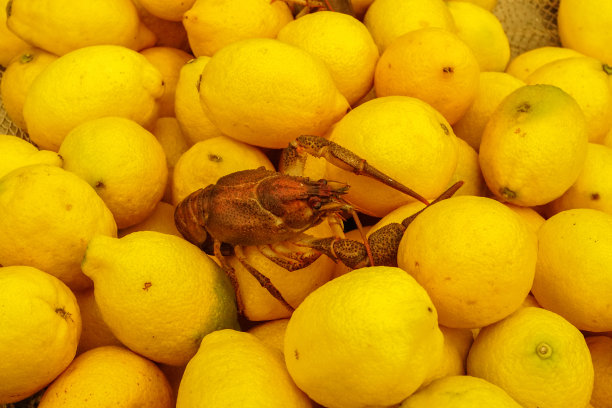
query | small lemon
[601, 354]
[527, 62]
[172, 10]
[471, 285]
[11, 45]
[533, 219]
[534, 145]
[236, 369]
[109, 376]
[41, 324]
[168, 133]
[89, 83]
[267, 93]
[122, 161]
[571, 241]
[271, 332]
[457, 343]
[468, 171]
[367, 338]
[159, 294]
[397, 216]
[16, 153]
[414, 65]
[343, 43]
[160, 220]
[168, 33]
[94, 332]
[537, 357]
[50, 236]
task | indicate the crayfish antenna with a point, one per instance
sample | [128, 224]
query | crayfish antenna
[366, 243]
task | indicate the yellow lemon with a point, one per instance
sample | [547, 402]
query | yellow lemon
[267, 93]
[169, 134]
[482, 31]
[460, 391]
[207, 161]
[169, 62]
[94, 332]
[471, 285]
[44, 24]
[587, 81]
[17, 153]
[570, 241]
[168, 33]
[343, 43]
[486, 4]
[122, 161]
[11, 45]
[527, 62]
[404, 138]
[367, 338]
[271, 332]
[160, 220]
[172, 10]
[89, 83]
[389, 19]
[211, 25]
[50, 236]
[18, 77]
[109, 376]
[468, 171]
[493, 87]
[534, 145]
[601, 354]
[41, 324]
[236, 369]
[397, 216]
[607, 141]
[537, 357]
[584, 25]
[431, 64]
[159, 294]
[194, 122]
[533, 219]
[457, 343]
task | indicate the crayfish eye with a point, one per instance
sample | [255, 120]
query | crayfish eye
[314, 203]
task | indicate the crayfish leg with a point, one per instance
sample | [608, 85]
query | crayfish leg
[230, 272]
[288, 256]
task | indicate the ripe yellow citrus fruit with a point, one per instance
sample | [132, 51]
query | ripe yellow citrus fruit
[414, 65]
[376, 323]
[94, 332]
[457, 343]
[271, 332]
[389, 19]
[109, 376]
[486, 4]
[343, 43]
[570, 241]
[533, 219]
[471, 285]
[141, 283]
[53, 236]
[601, 354]
[460, 391]
[41, 324]
[232, 369]
[89, 83]
[122, 161]
[404, 138]
[534, 145]
[168, 133]
[172, 10]
[360, 7]
[468, 171]
[482, 31]
[537, 357]
[11, 45]
[527, 62]
[17, 153]
[168, 33]
[267, 93]
[160, 220]
[211, 25]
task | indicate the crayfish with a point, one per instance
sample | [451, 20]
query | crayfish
[270, 209]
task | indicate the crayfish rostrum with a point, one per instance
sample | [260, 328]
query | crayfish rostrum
[270, 209]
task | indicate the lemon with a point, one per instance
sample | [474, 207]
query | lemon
[415, 65]
[537, 357]
[122, 161]
[53, 236]
[493, 87]
[534, 145]
[41, 325]
[486, 4]
[570, 241]
[160, 220]
[482, 31]
[17, 153]
[360, 7]
[94, 332]
[460, 391]
[404, 138]
[601, 354]
[397, 216]
[18, 77]
[192, 119]
[109, 376]
[527, 62]
[468, 171]
[142, 283]
[44, 24]
[11, 45]
[587, 81]
[533, 219]
[211, 25]
[167, 10]
[169, 134]
[593, 188]
[271, 332]
[367, 338]
[236, 369]
[267, 93]
[89, 83]
[207, 161]
[471, 285]
[389, 19]
[585, 26]
[343, 43]
[607, 141]
[169, 62]
[457, 343]
[168, 33]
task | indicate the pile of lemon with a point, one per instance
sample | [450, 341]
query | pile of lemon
[501, 297]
